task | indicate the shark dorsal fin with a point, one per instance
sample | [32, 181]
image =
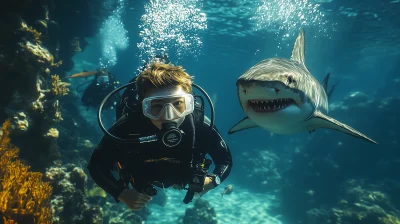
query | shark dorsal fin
[298, 49]
[324, 82]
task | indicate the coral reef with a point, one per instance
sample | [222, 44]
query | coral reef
[24, 197]
[359, 202]
[29, 30]
[40, 41]
[20, 123]
[259, 169]
[59, 88]
[37, 53]
[116, 214]
[53, 133]
[201, 213]
[69, 203]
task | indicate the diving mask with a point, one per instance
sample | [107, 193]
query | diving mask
[103, 80]
[168, 105]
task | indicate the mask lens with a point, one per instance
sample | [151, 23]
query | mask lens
[158, 105]
[172, 107]
[102, 80]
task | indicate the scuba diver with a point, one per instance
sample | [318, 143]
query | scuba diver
[102, 84]
[161, 138]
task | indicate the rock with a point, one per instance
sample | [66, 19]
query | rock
[52, 133]
[68, 201]
[20, 123]
[259, 169]
[201, 213]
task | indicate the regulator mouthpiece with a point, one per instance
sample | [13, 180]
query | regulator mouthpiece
[171, 135]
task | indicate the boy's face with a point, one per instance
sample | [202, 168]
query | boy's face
[165, 107]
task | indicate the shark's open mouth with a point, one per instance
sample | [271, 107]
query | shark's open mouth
[270, 105]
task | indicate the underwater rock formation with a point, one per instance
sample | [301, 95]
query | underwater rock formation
[72, 202]
[20, 123]
[359, 203]
[30, 91]
[330, 159]
[200, 213]
[38, 41]
[259, 170]
[121, 214]
[24, 197]
[69, 202]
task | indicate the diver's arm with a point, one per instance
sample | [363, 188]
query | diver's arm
[220, 154]
[100, 165]
[102, 162]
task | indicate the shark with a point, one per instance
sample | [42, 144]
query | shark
[282, 96]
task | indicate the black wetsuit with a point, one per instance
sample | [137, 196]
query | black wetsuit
[153, 161]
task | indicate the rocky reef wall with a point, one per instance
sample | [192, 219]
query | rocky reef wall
[39, 39]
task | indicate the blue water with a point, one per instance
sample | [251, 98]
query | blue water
[356, 41]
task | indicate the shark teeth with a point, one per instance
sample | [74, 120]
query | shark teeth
[270, 105]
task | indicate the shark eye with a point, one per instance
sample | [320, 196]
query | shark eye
[291, 79]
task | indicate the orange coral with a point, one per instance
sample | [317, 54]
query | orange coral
[59, 88]
[23, 194]
[35, 34]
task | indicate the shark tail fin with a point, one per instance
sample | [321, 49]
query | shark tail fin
[320, 120]
[298, 48]
[245, 123]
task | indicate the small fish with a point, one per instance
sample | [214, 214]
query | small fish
[228, 190]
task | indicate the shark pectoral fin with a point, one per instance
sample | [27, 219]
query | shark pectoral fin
[320, 120]
[245, 123]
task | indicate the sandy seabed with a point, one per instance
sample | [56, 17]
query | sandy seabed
[240, 207]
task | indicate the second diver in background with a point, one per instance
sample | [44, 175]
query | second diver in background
[102, 84]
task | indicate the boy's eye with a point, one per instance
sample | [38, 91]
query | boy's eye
[178, 103]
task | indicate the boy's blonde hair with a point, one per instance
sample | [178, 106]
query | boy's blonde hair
[160, 75]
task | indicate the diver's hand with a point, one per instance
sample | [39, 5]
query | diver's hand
[133, 199]
[208, 185]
